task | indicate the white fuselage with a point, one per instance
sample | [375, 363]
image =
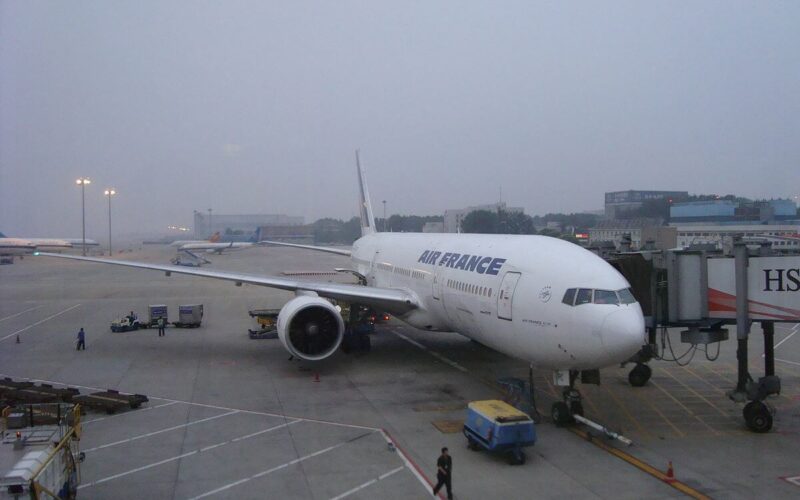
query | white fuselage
[506, 291]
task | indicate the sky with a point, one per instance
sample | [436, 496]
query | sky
[258, 107]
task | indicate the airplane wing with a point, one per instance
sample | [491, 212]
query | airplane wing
[337, 251]
[391, 300]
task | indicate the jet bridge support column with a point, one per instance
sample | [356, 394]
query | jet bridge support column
[742, 320]
[769, 347]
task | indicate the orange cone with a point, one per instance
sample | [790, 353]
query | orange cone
[670, 473]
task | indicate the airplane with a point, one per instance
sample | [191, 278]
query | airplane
[212, 245]
[10, 247]
[544, 300]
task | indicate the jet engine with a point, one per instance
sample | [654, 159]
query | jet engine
[310, 328]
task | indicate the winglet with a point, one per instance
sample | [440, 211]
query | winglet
[365, 206]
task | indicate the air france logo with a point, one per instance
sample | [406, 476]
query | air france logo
[475, 263]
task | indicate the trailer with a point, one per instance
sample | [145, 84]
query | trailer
[189, 316]
[156, 312]
[111, 401]
[27, 392]
[497, 426]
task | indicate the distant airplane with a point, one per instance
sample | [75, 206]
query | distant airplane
[212, 245]
[536, 298]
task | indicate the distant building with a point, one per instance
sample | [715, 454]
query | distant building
[619, 202]
[246, 224]
[613, 231]
[433, 227]
[733, 212]
[453, 217]
[782, 236]
[303, 234]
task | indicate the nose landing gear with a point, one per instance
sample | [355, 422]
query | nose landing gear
[640, 374]
[563, 412]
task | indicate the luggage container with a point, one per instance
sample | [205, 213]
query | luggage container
[156, 312]
[499, 427]
[189, 316]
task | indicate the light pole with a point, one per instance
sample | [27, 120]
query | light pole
[384, 216]
[82, 182]
[109, 193]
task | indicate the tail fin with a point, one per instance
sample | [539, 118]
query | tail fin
[365, 206]
[214, 237]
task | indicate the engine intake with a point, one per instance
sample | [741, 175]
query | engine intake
[310, 328]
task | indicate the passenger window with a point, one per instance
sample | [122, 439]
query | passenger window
[569, 297]
[584, 296]
[605, 297]
[490, 292]
[626, 296]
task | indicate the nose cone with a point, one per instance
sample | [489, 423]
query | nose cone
[623, 333]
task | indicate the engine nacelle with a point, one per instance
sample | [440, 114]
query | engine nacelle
[310, 328]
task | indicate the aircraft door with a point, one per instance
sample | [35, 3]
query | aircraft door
[505, 295]
[437, 283]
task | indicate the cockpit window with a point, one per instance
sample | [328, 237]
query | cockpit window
[569, 296]
[605, 297]
[584, 296]
[626, 296]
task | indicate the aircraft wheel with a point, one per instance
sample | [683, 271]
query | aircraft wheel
[640, 374]
[758, 418]
[560, 413]
[517, 458]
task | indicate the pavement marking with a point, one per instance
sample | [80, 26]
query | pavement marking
[697, 394]
[39, 322]
[793, 480]
[368, 483]
[410, 464]
[641, 465]
[128, 413]
[271, 470]
[22, 312]
[174, 427]
[787, 361]
[432, 353]
[184, 455]
[403, 455]
[793, 330]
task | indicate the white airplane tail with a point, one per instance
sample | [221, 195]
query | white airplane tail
[365, 206]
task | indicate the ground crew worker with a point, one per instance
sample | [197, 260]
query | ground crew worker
[160, 327]
[81, 340]
[444, 474]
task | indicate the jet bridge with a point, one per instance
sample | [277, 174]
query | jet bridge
[704, 290]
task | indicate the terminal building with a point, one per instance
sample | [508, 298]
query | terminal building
[642, 232]
[619, 202]
[717, 222]
[453, 217]
[241, 226]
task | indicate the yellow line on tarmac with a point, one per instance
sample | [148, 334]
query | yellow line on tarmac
[641, 465]
[709, 403]
[627, 412]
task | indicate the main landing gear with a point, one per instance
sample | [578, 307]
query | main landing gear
[563, 412]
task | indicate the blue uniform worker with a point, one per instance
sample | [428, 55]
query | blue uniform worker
[81, 340]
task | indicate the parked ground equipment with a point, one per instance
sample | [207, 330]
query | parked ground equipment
[499, 427]
[111, 401]
[189, 316]
[39, 454]
[267, 320]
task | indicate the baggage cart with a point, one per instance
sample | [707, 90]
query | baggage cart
[267, 320]
[110, 400]
[155, 312]
[189, 316]
[496, 426]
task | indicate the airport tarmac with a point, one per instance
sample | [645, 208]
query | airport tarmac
[231, 417]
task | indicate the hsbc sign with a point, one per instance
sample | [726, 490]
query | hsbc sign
[773, 288]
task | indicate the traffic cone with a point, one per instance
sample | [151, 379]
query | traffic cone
[316, 377]
[670, 473]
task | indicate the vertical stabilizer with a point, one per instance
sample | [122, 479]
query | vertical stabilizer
[365, 206]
